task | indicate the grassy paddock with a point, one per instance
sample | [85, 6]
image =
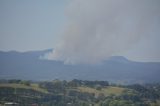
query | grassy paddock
[32, 86]
[106, 91]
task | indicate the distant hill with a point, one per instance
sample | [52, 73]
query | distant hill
[28, 65]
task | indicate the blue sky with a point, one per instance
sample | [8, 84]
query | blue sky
[30, 24]
[41, 24]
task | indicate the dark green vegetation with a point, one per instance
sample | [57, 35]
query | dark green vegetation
[78, 93]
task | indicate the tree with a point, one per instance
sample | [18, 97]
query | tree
[27, 83]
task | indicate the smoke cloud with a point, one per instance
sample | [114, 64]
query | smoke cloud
[98, 29]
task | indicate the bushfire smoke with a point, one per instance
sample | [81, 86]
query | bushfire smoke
[98, 29]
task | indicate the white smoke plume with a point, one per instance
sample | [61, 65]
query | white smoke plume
[98, 29]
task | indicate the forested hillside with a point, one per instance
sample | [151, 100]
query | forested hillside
[78, 93]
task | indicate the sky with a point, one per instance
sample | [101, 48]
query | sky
[30, 24]
[82, 31]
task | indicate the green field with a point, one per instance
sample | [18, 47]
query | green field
[106, 91]
[32, 86]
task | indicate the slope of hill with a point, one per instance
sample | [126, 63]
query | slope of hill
[78, 93]
[22, 86]
[28, 65]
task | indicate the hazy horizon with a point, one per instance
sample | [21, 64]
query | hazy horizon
[82, 31]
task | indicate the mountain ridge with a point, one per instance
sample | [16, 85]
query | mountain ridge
[28, 65]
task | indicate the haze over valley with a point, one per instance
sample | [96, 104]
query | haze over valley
[118, 69]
